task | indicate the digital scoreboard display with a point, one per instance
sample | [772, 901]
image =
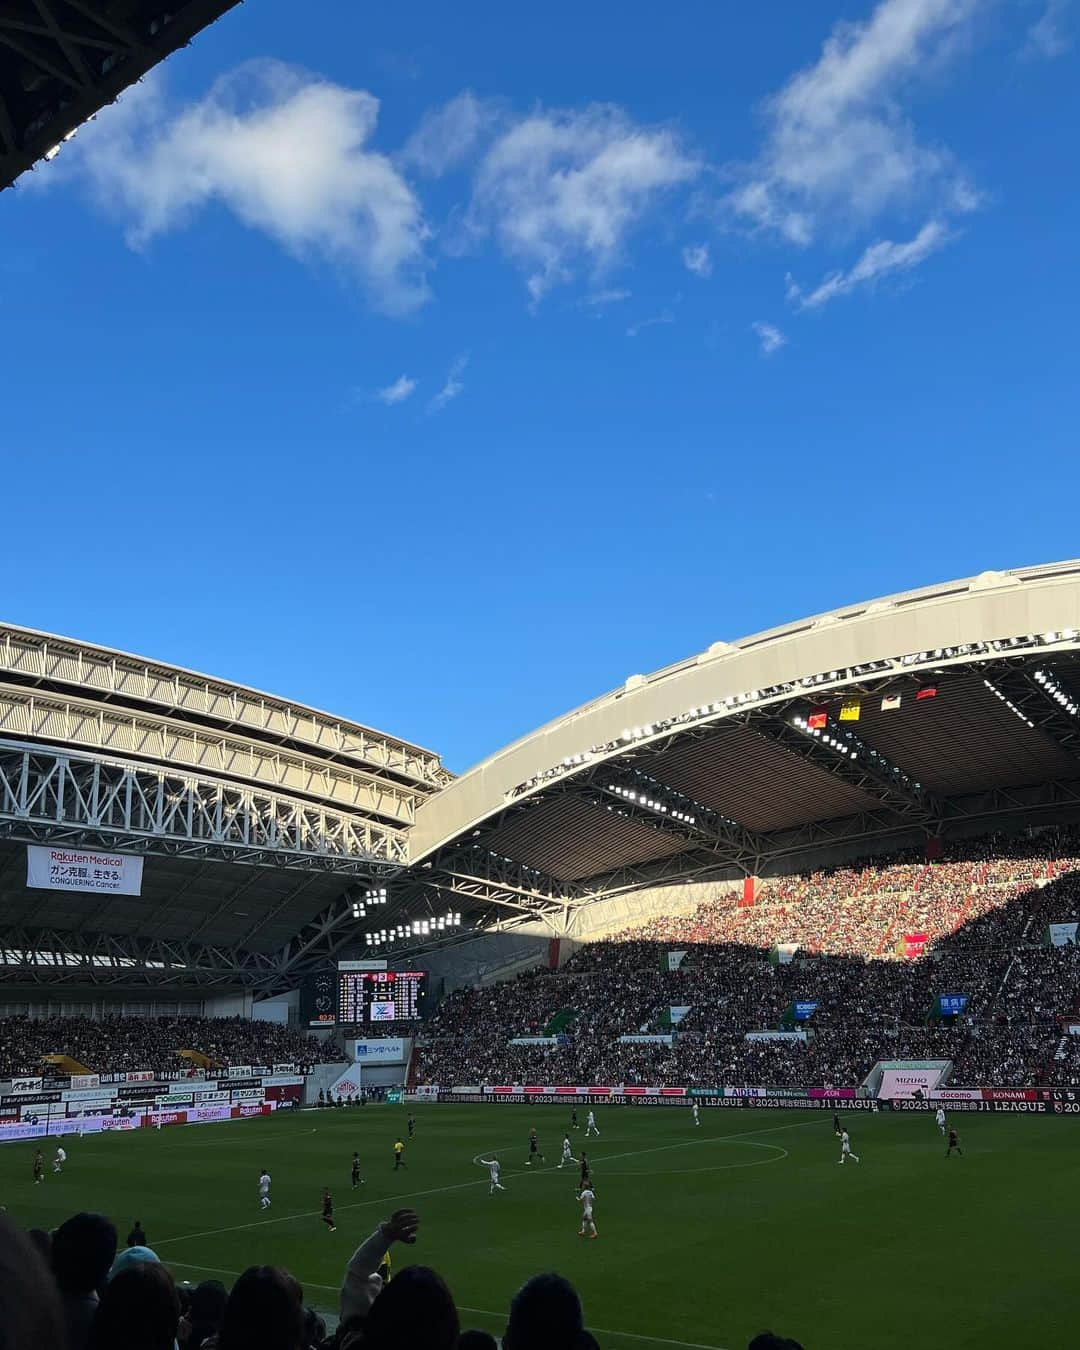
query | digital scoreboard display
[366, 996]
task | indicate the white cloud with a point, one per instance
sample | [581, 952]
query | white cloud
[447, 136]
[878, 260]
[696, 259]
[1047, 38]
[562, 190]
[635, 328]
[602, 299]
[453, 386]
[769, 336]
[839, 148]
[402, 388]
[285, 151]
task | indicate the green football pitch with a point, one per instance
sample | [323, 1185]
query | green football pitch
[707, 1235]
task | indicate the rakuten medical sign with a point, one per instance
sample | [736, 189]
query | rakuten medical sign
[65, 869]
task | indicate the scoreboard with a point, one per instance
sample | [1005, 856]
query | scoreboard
[380, 995]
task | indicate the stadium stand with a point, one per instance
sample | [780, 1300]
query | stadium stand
[135, 1043]
[985, 912]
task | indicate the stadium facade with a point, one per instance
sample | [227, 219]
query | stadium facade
[277, 839]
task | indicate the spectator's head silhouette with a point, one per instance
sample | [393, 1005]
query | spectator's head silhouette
[415, 1311]
[263, 1312]
[83, 1249]
[30, 1316]
[140, 1310]
[545, 1314]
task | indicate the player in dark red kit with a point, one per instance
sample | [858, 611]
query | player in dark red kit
[328, 1209]
[954, 1143]
[534, 1149]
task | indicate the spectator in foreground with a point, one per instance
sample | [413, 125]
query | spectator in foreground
[264, 1312]
[768, 1340]
[139, 1310]
[545, 1314]
[207, 1311]
[30, 1312]
[477, 1340]
[415, 1311]
[362, 1283]
[137, 1236]
[83, 1249]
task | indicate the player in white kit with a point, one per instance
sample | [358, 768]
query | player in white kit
[696, 1119]
[939, 1118]
[264, 1189]
[492, 1164]
[845, 1149]
[590, 1125]
[567, 1153]
[60, 1159]
[588, 1227]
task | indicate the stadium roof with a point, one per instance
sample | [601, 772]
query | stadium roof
[961, 713]
[262, 821]
[63, 60]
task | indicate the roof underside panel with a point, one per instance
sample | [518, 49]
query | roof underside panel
[570, 839]
[751, 780]
[228, 904]
[965, 739]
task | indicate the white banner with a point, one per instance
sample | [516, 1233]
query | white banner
[535, 1040]
[675, 959]
[142, 1076]
[647, 1040]
[247, 1094]
[957, 1095]
[1063, 934]
[65, 869]
[785, 952]
[87, 1094]
[240, 1071]
[906, 1082]
[678, 1013]
[20, 1087]
[775, 1036]
[361, 965]
[210, 1113]
[284, 1080]
[203, 1098]
[283, 1068]
[79, 1081]
[385, 1050]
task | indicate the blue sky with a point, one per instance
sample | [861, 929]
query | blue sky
[443, 367]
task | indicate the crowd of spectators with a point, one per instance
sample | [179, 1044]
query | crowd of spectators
[73, 1290]
[980, 912]
[114, 1045]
